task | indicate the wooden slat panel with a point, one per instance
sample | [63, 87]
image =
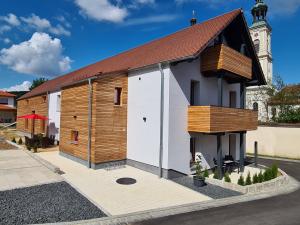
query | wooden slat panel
[221, 57]
[212, 119]
[39, 104]
[109, 122]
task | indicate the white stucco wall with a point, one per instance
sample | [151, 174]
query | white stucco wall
[179, 138]
[143, 137]
[275, 141]
[54, 115]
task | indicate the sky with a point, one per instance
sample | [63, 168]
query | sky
[52, 37]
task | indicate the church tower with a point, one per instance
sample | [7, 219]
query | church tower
[260, 31]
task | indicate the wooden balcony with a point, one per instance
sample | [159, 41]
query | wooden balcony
[213, 119]
[222, 58]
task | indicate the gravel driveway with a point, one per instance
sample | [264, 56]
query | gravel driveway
[48, 203]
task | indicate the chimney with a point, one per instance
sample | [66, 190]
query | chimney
[193, 21]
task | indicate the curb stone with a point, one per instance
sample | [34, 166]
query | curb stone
[292, 186]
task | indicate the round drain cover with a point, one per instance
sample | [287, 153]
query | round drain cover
[126, 181]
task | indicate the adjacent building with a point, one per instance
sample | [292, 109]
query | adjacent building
[7, 108]
[261, 34]
[158, 106]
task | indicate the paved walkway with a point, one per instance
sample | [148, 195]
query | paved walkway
[149, 192]
[18, 169]
[279, 210]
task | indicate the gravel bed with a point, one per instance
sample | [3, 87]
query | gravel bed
[49, 203]
[213, 191]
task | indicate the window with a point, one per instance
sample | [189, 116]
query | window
[4, 101]
[44, 98]
[256, 45]
[194, 100]
[118, 96]
[26, 124]
[58, 100]
[74, 137]
[255, 106]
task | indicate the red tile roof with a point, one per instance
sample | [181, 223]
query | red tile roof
[184, 43]
[7, 108]
[6, 94]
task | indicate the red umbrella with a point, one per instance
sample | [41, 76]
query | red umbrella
[33, 117]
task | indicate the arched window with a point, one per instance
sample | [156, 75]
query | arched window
[255, 106]
[256, 45]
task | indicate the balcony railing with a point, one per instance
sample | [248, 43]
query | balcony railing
[222, 58]
[213, 119]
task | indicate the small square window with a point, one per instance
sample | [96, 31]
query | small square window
[44, 98]
[74, 137]
[118, 96]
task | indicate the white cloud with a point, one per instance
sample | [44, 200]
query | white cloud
[6, 40]
[19, 87]
[151, 19]
[41, 55]
[283, 8]
[102, 10]
[137, 3]
[4, 29]
[11, 19]
[42, 24]
[64, 21]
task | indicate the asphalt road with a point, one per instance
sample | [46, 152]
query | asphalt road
[279, 210]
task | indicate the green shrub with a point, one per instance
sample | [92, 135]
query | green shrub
[216, 174]
[268, 174]
[28, 147]
[206, 174]
[274, 170]
[260, 177]
[227, 178]
[241, 181]
[13, 140]
[20, 142]
[248, 179]
[255, 179]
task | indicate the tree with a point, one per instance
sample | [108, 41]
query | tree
[37, 82]
[266, 92]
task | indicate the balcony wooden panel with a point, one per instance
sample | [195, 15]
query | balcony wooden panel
[213, 119]
[222, 58]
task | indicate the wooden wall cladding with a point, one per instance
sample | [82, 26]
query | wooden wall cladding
[221, 57]
[212, 119]
[109, 122]
[39, 104]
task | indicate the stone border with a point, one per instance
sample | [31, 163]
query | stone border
[14, 144]
[254, 188]
[292, 186]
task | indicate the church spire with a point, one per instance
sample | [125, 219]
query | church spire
[193, 21]
[259, 11]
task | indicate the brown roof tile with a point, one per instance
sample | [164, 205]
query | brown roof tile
[184, 43]
[6, 94]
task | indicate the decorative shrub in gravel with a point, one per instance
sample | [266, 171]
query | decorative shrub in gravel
[227, 178]
[206, 174]
[20, 142]
[274, 170]
[14, 140]
[241, 181]
[248, 179]
[260, 177]
[255, 179]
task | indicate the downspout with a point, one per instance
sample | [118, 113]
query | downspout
[89, 122]
[161, 141]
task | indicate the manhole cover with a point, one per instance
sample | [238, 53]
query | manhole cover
[126, 181]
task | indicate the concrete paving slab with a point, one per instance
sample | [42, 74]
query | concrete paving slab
[149, 192]
[18, 169]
